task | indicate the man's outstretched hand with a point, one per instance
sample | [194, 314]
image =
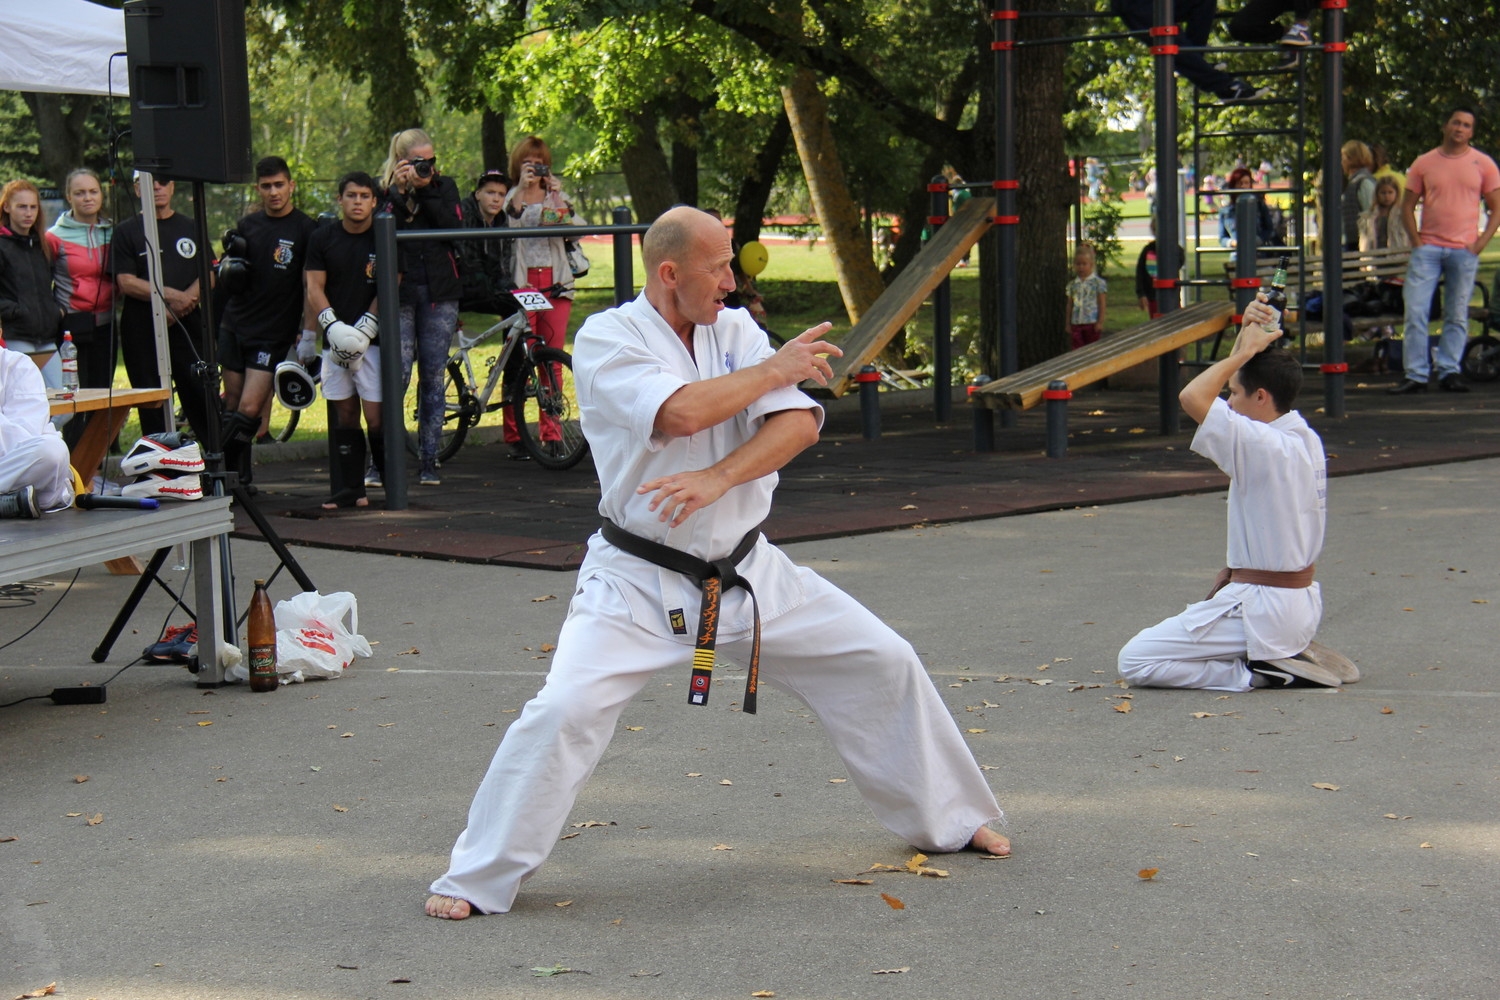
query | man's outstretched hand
[805, 356]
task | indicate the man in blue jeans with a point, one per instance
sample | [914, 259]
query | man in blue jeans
[1450, 182]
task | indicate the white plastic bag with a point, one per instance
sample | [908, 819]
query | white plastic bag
[312, 639]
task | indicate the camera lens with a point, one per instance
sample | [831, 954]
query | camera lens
[422, 168]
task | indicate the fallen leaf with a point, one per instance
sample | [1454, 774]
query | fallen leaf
[910, 506]
[393, 670]
[206, 722]
[1387, 710]
[7, 840]
[399, 980]
[548, 647]
[341, 965]
[554, 970]
[892, 901]
[72, 814]
[855, 881]
[837, 781]
[1408, 609]
[569, 836]
[414, 651]
[566, 902]
[725, 781]
[763, 993]
[79, 779]
[1123, 706]
[45, 991]
[544, 597]
[914, 864]
[1325, 786]
[976, 730]
[340, 809]
[1479, 602]
[96, 819]
[891, 972]
[1426, 845]
[385, 725]
[722, 847]
[345, 736]
[1147, 874]
[695, 774]
[591, 822]
[635, 729]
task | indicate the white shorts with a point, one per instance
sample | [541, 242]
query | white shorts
[340, 383]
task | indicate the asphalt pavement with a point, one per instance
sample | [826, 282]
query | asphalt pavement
[178, 842]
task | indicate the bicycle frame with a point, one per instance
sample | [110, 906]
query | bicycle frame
[517, 332]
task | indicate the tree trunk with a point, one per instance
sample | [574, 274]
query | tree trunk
[755, 189]
[492, 144]
[647, 173]
[853, 259]
[685, 132]
[62, 131]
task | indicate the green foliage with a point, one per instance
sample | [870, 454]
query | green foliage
[1101, 227]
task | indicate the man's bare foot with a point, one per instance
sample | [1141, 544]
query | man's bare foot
[353, 497]
[985, 841]
[450, 907]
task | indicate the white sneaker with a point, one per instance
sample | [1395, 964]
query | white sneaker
[169, 451]
[165, 487]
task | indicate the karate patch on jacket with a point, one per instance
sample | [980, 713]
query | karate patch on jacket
[678, 620]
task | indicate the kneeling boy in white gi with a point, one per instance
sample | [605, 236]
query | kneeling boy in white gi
[1256, 627]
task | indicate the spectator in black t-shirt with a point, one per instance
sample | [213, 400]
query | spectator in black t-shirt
[265, 312]
[340, 278]
[178, 234]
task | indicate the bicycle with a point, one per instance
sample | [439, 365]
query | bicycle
[535, 382]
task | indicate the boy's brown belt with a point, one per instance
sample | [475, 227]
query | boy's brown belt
[713, 578]
[1297, 579]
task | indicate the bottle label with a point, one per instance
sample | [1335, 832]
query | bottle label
[263, 662]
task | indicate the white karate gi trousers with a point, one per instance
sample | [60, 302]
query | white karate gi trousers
[865, 683]
[41, 462]
[1169, 655]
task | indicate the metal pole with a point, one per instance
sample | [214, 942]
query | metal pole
[869, 402]
[1006, 184]
[1057, 395]
[942, 316]
[1333, 216]
[1246, 218]
[1169, 263]
[624, 258]
[392, 418]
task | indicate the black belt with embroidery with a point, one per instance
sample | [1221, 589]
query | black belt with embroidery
[712, 578]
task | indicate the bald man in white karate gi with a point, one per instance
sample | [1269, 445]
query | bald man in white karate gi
[690, 413]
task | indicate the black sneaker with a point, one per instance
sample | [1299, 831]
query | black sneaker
[518, 452]
[1407, 388]
[1452, 383]
[21, 503]
[1240, 92]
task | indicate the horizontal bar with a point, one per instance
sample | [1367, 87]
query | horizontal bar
[517, 233]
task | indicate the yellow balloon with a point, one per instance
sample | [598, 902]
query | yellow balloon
[753, 257]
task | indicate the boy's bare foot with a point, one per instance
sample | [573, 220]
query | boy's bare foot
[987, 841]
[448, 907]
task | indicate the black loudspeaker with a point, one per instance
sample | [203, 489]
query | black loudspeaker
[189, 89]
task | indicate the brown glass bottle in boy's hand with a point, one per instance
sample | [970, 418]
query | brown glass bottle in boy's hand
[261, 633]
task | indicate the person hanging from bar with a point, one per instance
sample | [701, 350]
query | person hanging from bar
[689, 413]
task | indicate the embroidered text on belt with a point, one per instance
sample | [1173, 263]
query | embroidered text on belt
[712, 578]
[1297, 579]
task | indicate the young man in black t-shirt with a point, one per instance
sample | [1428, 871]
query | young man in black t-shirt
[340, 278]
[264, 314]
[178, 234]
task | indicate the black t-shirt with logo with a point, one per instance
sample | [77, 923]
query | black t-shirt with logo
[270, 309]
[179, 264]
[348, 263]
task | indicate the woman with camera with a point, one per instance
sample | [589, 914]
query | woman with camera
[420, 197]
[537, 199]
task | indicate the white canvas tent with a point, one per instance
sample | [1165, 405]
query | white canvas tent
[62, 47]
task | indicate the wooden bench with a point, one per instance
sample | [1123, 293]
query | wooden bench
[1113, 353]
[904, 296]
[1358, 266]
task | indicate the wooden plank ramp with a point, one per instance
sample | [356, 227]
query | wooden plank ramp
[1116, 352]
[904, 296]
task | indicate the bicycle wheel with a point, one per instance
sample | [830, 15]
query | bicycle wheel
[1481, 360]
[546, 411]
[460, 412]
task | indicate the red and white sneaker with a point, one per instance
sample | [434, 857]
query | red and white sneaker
[165, 487]
[169, 451]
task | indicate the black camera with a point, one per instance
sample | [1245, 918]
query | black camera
[421, 166]
[540, 169]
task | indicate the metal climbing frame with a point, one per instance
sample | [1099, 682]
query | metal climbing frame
[1164, 49]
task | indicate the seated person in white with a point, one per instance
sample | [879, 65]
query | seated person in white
[34, 472]
[1256, 627]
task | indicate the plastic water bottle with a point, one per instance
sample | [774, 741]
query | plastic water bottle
[69, 355]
